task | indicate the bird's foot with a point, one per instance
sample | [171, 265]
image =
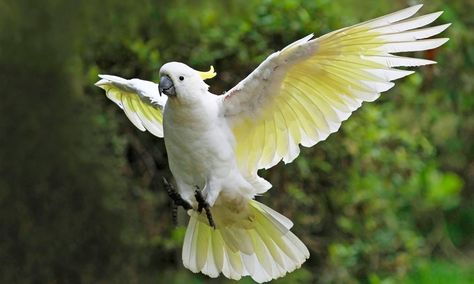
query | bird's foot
[202, 204]
[177, 200]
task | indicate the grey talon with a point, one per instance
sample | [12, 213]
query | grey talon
[202, 204]
[176, 198]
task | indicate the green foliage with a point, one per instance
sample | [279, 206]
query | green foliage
[60, 203]
[80, 193]
[439, 272]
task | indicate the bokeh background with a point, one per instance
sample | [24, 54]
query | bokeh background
[388, 199]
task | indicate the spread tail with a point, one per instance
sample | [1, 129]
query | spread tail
[264, 248]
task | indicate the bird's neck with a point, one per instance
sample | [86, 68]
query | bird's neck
[200, 111]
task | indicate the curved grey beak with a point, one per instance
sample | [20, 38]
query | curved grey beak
[166, 86]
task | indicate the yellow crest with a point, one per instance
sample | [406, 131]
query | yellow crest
[207, 75]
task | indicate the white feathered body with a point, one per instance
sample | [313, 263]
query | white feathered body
[200, 147]
[251, 238]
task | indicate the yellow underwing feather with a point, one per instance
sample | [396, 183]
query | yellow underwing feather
[139, 100]
[302, 94]
[131, 112]
[282, 133]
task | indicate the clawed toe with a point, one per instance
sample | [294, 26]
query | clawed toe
[177, 200]
[202, 204]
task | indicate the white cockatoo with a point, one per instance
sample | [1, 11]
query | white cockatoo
[217, 143]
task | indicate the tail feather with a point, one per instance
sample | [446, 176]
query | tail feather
[275, 215]
[202, 241]
[210, 267]
[265, 250]
[233, 265]
[189, 252]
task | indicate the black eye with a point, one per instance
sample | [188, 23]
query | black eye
[181, 78]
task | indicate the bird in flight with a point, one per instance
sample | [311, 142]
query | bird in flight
[217, 143]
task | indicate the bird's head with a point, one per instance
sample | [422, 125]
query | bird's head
[181, 82]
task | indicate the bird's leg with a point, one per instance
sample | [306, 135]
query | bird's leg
[174, 213]
[202, 204]
[177, 200]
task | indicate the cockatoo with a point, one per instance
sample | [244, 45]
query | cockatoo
[217, 143]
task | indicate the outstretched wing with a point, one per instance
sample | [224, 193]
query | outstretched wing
[302, 93]
[139, 99]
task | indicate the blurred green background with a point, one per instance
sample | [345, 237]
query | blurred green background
[388, 199]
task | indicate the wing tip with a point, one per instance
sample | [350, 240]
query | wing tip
[435, 15]
[104, 80]
[101, 83]
[416, 7]
[443, 27]
[441, 41]
[105, 77]
[412, 9]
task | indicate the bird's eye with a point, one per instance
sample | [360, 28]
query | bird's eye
[181, 78]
